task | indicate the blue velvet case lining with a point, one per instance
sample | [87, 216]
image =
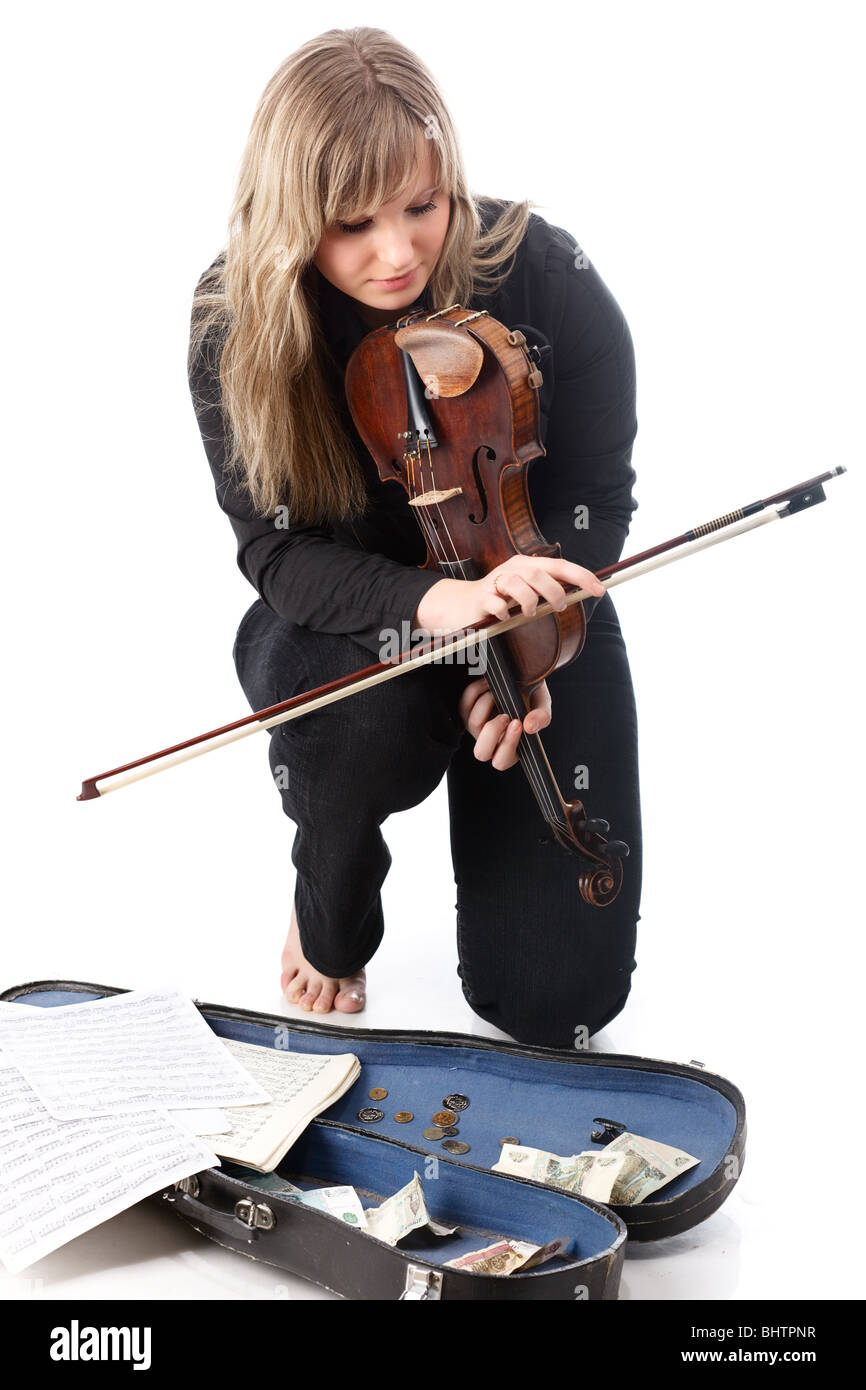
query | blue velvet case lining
[485, 1207]
[545, 1103]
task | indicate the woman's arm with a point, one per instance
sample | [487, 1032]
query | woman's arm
[581, 489]
[301, 572]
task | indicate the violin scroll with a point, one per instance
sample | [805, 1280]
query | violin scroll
[600, 882]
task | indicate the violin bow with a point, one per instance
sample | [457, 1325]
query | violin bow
[783, 504]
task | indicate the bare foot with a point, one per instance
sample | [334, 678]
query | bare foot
[316, 993]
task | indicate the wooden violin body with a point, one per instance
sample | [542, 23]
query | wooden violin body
[469, 489]
[447, 404]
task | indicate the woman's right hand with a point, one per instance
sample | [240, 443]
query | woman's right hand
[524, 580]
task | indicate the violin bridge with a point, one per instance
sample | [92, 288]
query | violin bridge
[436, 495]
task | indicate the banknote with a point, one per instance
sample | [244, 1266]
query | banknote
[647, 1166]
[623, 1173]
[504, 1256]
[539, 1165]
[339, 1201]
[405, 1211]
[591, 1173]
[598, 1174]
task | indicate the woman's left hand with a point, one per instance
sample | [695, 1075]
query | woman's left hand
[496, 736]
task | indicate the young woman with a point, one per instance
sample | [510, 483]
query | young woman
[352, 208]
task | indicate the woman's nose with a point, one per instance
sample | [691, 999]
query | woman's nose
[394, 251]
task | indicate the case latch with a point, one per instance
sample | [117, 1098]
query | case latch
[421, 1283]
[608, 1130]
[188, 1185]
[255, 1214]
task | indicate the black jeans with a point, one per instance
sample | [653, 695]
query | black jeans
[535, 960]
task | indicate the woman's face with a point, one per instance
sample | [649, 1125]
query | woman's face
[399, 241]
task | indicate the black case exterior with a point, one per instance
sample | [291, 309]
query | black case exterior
[353, 1264]
[321, 1247]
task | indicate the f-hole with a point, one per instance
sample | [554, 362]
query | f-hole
[482, 491]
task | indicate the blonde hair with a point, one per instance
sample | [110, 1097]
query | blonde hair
[334, 135]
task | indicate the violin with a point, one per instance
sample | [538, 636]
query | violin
[467, 389]
[465, 474]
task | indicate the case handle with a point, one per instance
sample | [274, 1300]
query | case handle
[252, 1216]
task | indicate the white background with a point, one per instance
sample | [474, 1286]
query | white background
[708, 160]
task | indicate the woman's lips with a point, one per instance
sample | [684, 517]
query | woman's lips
[398, 283]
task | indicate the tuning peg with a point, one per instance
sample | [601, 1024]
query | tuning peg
[596, 826]
[617, 849]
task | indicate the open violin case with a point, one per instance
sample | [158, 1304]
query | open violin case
[543, 1097]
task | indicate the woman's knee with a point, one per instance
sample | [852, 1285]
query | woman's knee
[549, 981]
[563, 1015]
[379, 751]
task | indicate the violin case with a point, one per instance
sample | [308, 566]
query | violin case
[547, 1098]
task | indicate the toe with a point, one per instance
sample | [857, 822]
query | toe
[295, 988]
[314, 989]
[326, 997]
[352, 997]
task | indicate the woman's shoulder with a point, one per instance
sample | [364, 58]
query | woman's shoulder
[542, 272]
[205, 346]
[209, 277]
[541, 239]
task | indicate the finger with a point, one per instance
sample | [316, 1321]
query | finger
[539, 715]
[469, 695]
[544, 584]
[517, 588]
[481, 713]
[488, 739]
[567, 571]
[549, 589]
[506, 752]
[494, 603]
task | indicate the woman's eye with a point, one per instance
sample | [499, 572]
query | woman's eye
[360, 226]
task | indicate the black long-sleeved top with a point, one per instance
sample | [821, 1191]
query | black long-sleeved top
[361, 577]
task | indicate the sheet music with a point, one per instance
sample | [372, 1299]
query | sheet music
[203, 1121]
[301, 1084]
[60, 1178]
[144, 1050]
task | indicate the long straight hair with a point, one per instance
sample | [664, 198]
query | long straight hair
[334, 134]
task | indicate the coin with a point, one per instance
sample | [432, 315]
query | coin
[455, 1146]
[509, 1139]
[370, 1115]
[434, 1133]
[403, 1117]
[377, 1093]
[456, 1102]
[450, 1132]
[444, 1118]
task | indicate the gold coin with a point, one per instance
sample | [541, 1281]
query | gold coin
[377, 1093]
[403, 1117]
[444, 1118]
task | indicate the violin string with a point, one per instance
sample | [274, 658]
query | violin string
[499, 681]
[498, 678]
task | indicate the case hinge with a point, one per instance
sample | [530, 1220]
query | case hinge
[421, 1283]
